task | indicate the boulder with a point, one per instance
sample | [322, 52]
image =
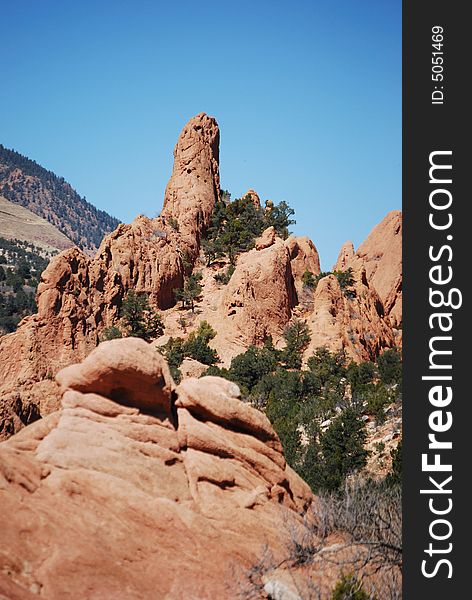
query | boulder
[192, 368]
[134, 489]
[266, 239]
[303, 256]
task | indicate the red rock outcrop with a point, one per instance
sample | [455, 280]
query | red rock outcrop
[137, 489]
[192, 368]
[79, 297]
[303, 256]
[254, 196]
[266, 239]
[381, 256]
[194, 186]
[345, 255]
[351, 320]
[260, 296]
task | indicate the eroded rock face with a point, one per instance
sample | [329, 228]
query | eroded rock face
[345, 255]
[381, 256]
[352, 321]
[79, 297]
[266, 239]
[260, 296]
[194, 187]
[303, 256]
[134, 489]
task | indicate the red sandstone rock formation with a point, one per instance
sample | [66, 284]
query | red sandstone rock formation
[381, 256]
[303, 256]
[195, 183]
[135, 489]
[259, 298]
[266, 239]
[345, 255]
[79, 297]
[254, 196]
[352, 321]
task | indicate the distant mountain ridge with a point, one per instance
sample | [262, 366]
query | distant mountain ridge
[25, 182]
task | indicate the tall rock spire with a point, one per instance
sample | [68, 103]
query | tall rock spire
[79, 297]
[194, 186]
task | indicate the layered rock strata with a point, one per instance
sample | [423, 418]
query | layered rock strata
[136, 488]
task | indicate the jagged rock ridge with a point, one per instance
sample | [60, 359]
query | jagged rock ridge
[79, 297]
[381, 256]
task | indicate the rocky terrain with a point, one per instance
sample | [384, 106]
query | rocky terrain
[381, 256]
[151, 482]
[26, 183]
[79, 297]
[150, 479]
[136, 488]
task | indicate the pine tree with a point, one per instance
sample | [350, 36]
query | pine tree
[139, 318]
[338, 452]
[190, 292]
[308, 279]
[297, 337]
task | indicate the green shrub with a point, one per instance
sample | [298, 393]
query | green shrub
[197, 347]
[360, 374]
[346, 281]
[395, 476]
[378, 396]
[173, 351]
[338, 452]
[279, 216]
[139, 319]
[297, 337]
[390, 366]
[328, 367]
[190, 292]
[226, 276]
[173, 223]
[349, 588]
[111, 333]
[234, 226]
[308, 279]
[248, 368]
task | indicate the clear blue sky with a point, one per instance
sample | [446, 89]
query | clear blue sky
[307, 95]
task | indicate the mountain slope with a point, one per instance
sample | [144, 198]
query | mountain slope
[25, 182]
[19, 223]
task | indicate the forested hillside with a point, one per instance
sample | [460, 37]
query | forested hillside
[25, 182]
[21, 264]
